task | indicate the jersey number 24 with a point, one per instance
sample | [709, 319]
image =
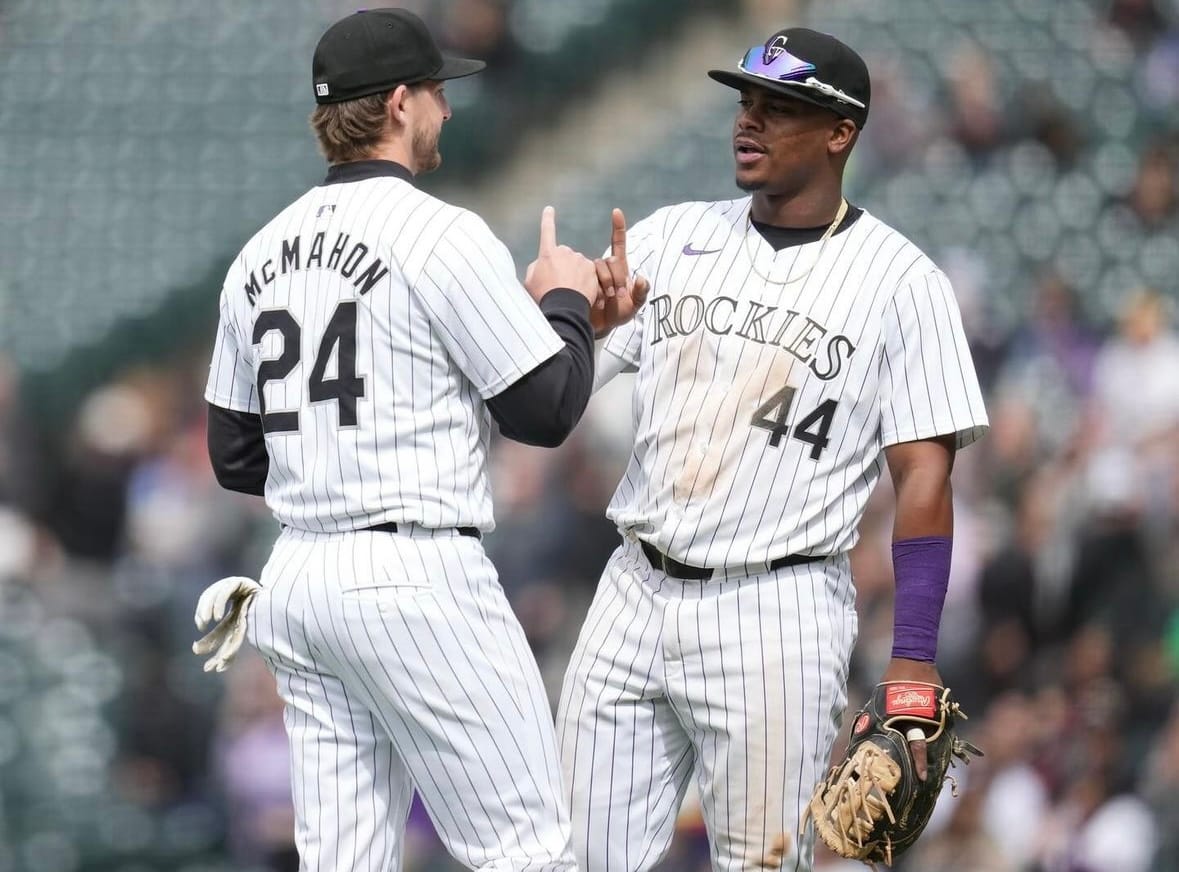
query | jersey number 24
[343, 388]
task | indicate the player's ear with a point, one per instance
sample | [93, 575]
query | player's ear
[395, 105]
[843, 137]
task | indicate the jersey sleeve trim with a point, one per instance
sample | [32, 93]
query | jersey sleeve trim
[225, 401]
[506, 380]
[963, 435]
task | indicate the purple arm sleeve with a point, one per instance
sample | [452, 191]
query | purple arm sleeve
[922, 570]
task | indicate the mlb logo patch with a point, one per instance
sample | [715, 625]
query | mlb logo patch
[321, 89]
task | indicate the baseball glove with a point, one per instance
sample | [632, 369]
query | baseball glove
[872, 807]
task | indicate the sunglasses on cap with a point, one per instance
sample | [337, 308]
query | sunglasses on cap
[785, 67]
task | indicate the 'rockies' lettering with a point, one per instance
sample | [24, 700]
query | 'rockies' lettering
[342, 258]
[757, 314]
[803, 337]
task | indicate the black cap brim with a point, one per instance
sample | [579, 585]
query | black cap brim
[457, 68]
[741, 80]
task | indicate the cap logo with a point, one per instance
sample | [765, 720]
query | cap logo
[321, 89]
[774, 48]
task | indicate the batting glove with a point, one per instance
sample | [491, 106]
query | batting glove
[227, 603]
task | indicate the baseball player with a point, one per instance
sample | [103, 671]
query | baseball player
[367, 335]
[792, 345]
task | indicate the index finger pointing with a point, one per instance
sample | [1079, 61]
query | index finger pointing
[548, 229]
[618, 233]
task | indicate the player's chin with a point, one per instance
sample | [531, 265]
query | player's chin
[748, 181]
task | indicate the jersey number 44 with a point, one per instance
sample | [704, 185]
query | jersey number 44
[812, 429]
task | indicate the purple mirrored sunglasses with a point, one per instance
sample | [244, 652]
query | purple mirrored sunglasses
[785, 68]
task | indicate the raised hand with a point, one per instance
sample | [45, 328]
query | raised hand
[559, 266]
[621, 296]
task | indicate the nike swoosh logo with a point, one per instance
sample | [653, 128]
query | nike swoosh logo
[690, 251]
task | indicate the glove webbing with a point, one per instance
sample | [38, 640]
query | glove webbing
[865, 803]
[864, 783]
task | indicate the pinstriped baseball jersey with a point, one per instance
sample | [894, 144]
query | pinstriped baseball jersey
[768, 383]
[367, 323]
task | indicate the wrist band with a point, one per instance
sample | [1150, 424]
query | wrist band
[922, 570]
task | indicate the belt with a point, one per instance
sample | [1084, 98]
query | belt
[391, 527]
[675, 569]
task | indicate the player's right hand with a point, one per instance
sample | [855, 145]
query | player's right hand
[622, 295]
[559, 266]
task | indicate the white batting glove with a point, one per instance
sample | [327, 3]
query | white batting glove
[226, 602]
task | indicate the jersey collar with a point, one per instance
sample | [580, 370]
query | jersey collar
[787, 237]
[360, 170]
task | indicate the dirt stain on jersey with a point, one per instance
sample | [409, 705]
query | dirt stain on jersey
[714, 439]
[774, 857]
[695, 372]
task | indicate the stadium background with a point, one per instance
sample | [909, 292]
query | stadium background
[1030, 146]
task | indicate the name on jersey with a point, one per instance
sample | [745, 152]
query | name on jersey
[801, 335]
[350, 259]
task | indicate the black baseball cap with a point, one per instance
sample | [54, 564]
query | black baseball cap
[375, 50]
[808, 65]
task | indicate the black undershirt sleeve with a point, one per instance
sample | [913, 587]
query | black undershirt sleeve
[237, 450]
[544, 406]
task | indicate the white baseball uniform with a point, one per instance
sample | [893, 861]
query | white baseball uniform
[367, 323]
[768, 384]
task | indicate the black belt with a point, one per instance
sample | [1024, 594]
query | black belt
[675, 569]
[391, 527]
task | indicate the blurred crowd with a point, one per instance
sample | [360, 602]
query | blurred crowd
[1060, 635]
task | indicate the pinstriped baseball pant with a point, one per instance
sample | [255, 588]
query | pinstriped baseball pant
[402, 666]
[738, 682]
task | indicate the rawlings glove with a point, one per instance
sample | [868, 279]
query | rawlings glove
[233, 593]
[872, 806]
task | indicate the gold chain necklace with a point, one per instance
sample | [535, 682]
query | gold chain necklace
[840, 213]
